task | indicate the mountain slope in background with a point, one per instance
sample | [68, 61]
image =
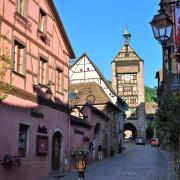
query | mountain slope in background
[149, 93]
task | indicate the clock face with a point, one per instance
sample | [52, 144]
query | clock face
[91, 99]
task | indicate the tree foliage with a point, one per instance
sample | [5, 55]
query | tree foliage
[149, 93]
[168, 119]
[4, 67]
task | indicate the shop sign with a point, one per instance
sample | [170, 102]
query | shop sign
[77, 131]
[36, 114]
[42, 129]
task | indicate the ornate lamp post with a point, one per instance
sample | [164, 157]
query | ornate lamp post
[162, 27]
[48, 94]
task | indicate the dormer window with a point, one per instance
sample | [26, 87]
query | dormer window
[42, 21]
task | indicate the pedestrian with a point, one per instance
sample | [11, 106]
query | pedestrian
[99, 150]
[120, 148]
[81, 166]
[159, 145]
[112, 151]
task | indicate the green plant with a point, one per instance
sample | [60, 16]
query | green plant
[4, 67]
[149, 94]
[168, 120]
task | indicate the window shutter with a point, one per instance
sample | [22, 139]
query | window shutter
[26, 8]
[46, 73]
[40, 71]
[22, 61]
[15, 57]
[62, 82]
[45, 24]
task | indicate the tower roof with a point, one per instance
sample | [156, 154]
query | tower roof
[127, 35]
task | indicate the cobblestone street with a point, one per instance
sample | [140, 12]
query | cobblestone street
[137, 162]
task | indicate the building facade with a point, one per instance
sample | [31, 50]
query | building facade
[100, 112]
[34, 117]
[168, 19]
[128, 82]
[84, 71]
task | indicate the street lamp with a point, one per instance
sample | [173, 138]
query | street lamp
[162, 27]
[48, 94]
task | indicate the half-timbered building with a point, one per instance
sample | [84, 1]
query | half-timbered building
[91, 87]
[128, 82]
[34, 117]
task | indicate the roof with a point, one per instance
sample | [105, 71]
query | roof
[121, 52]
[98, 71]
[87, 89]
[61, 28]
[80, 122]
[150, 107]
[159, 74]
[126, 32]
[96, 111]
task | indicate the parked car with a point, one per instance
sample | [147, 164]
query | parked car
[154, 142]
[140, 140]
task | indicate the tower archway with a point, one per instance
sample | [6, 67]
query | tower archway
[130, 130]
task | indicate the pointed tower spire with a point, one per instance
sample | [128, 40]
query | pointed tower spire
[127, 35]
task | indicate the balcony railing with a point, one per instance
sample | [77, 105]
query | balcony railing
[173, 83]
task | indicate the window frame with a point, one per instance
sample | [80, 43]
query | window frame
[130, 78]
[44, 61]
[25, 8]
[25, 153]
[58, 72]
[41, 11]
[21, 46]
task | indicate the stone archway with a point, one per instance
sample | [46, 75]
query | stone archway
[56, 151]
[131, 127]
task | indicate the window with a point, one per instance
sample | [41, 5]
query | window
[22, 143]
[127, 78]
[42, 21]
[42, 71]
[22, 7]
[131, 100]
[127, 90]
[59, 80]
[132, 113]
[19, 61]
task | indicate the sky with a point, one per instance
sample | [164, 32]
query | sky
[96, 27]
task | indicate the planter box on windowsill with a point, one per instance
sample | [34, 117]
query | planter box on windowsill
[43, 36]
[23, 21]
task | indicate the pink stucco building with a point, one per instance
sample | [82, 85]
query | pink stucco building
[34, 117]
[87, 130]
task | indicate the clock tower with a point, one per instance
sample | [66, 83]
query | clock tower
[128, 82]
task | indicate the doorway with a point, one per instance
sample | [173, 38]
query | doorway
[56, 151]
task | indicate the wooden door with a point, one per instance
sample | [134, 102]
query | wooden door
[56, 151]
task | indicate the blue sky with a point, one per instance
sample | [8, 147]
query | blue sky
[96, 27]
